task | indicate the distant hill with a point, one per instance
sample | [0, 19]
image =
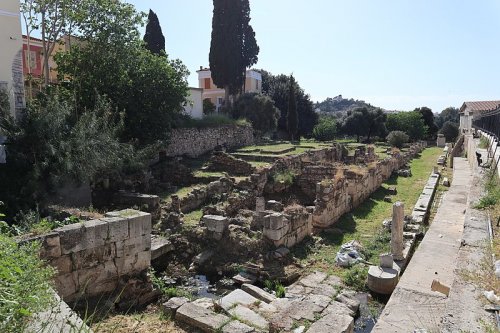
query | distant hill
[339, 105]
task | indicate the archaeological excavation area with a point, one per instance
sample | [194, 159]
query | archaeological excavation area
[256, 239]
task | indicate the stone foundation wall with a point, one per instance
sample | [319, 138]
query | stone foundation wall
[95, 257]
[194, 142]
[350, 186]
[287, 228]
[221, 161]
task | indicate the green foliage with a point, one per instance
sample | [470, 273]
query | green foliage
[292, 118]
[428, 118]
[233, 46]
[4, 102]
[154, 39]
[51, 145]
[166, 290]
[149, 89]
[492, 187]
[259, 110]
[326, 129]
[484, 143]
[449, 114]
[275, 286]
[25, 286]
[397, 138]
[277, 87]
[411, 123]
[208, 106]
[450, 131]
[365, 122]
[286, 177]
[340, 105]
[355, 277]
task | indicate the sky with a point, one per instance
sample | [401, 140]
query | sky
[395, 54]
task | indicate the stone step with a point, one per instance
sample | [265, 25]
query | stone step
[205, 320]
[258, 293]
[249, 316]
[333, 323]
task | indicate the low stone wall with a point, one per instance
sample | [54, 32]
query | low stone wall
[96, 257]
[350, 186]
[195, 142]
[287, 228]
[220, 161]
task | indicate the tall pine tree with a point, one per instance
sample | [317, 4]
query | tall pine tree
[233, 47]
[155, 41]
[292, 120]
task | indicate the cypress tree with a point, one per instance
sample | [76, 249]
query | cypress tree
[292, 120]
[155, 41]
[233, 47]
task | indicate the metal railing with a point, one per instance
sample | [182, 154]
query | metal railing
[489, 122]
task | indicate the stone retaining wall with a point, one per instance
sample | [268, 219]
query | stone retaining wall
[287, 228]
[93, 258]
[220, 161]
[194, 142]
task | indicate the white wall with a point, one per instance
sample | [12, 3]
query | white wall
[194, 108]
[11, 66]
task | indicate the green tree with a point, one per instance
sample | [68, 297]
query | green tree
[364, 122]
[276, 87]
[449, 114]
[292, 119]
[411, 123]
[397, 138]
[326, 129]
[259, 110]
[154, 39]
[428, 117]
[450, 131]
[149, 89]
[208, 106]
[50, 145]
[233, 46]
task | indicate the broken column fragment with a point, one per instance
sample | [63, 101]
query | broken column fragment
[397, 245]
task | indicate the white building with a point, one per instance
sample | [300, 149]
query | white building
[471, 109]
[194, 106]
[11, 61]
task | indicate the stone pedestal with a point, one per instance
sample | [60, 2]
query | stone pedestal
[260, 204]
[441, 141]
[397, 225]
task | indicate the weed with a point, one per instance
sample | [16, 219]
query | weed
[483, 143]
[166, 290]
[286, 177]
[276, 287]
[355, 277]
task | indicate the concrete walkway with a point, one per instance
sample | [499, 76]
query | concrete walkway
[413, 305]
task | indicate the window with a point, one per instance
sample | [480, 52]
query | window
[207, 83]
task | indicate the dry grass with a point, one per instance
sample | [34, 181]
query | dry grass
[148, 322]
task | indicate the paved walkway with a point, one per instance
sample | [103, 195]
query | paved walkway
[413, 305]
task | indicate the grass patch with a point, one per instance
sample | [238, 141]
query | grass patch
[208, 174]
[193, 218]
[484, 143]
[25, 283]
[258, 165]
[365, 222]
[180, 192]
[492, 187]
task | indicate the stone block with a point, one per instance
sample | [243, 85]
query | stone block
[446, 181]
[237, 327]
[170, 307]
[201, 318]
[274, 205]
[215, 223]
[93, 257]
[70, 238]
[140, 225]
[275, 235]
[51, 246]
[131, 246]
[235, 297]
[249, 316]
[275, 221]
[66, 284]
[117, 228]
[258, 293]
[62, 264]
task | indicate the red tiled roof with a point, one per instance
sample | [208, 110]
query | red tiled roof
[480, 106]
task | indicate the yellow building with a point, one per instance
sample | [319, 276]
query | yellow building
[253, 83]
[11, 60]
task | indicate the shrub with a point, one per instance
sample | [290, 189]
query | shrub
[25, 286]
[411, 123]
[211, 120]
[286, 177]
[208, 106]
[259, 110]
[326, 129]
[450, 131]
[355, 277]
[397, 139]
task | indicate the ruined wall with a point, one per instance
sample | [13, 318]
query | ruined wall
[194, 142]
[287, 228]
[95, 257]
[220, 161]
[351, 186]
